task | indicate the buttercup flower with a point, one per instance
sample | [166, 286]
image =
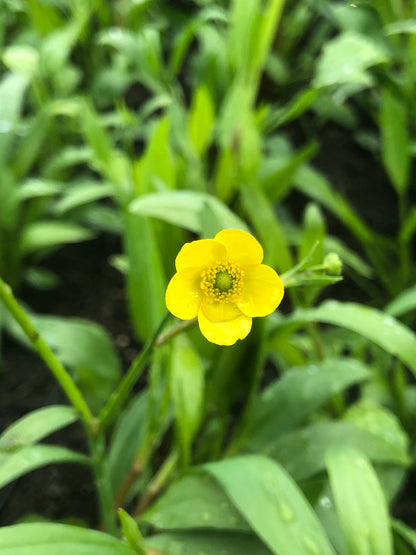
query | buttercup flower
[223, 282]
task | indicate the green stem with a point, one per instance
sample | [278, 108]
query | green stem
[72, 392]
[127, 383]
[157, 483]
[103, 484]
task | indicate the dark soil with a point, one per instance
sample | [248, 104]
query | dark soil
[89, 288]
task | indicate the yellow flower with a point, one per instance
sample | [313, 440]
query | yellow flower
[223, 282]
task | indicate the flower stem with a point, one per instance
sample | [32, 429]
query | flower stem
[64, 379]
[174, 331]
[127, 383]
[157, 483]
[103, 483]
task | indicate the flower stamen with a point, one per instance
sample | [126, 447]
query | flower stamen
[222, 281]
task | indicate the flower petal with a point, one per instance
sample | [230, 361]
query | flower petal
[224, 333]
[199, 253]
[217, 311]
[262, 291]
[242, 247]
[183, 294]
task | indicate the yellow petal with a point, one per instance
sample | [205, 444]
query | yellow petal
[216, 311]
[262, 291]
[241, 247]
[183, 294]
[224, 333]
[199, 253]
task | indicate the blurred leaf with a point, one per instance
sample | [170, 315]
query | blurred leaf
[279, 410]
[360, 503]
[29, 457]
[398, 27]
[33, 188]
[314, 185]
[302, 452]
[279, 178]
[31, 144]
[313, 234]
[266, 223]
[195, 501]
[272, 504]
[58, 539]
[201, 119]
[209, 543]
[36, 425]
[403, 303]
[12, 89]
[405, 532]
[392, 336]
[187, 390]
[184, 209]
[145, 279]
[394, 140]
[44, 17]
[82, 193]
[346, 58]
[22, 59]
[51, 234]
[157, 163]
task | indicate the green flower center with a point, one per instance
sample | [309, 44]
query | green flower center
[222, 281]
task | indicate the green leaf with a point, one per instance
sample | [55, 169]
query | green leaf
[405, 532]
[126, 439]
[158, 163]
[185, 209]
[313, 184]
[386, 332]
[187, 390]
[394, 140]
[146, 278]
[265, 221]
[302, 452]
[87, 349]
[22, 59]
[58, 539]
[82, 193]
[12, 89]
[52, 234]
[36, 425]
[403, 303]
[361, 506]
[131, 532]
[195, 501]
[29, 457]
[208, 543]
[279, 410]
[34, 188]
[272, 504]
[201, 119]
[346, 58]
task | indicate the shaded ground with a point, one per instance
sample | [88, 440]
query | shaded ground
[90, 288]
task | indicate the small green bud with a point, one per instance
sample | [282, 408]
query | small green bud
[333, 264]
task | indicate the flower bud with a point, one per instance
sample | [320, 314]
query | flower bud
[333, 264]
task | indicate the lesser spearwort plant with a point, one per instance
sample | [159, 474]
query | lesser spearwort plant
[178, 111]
